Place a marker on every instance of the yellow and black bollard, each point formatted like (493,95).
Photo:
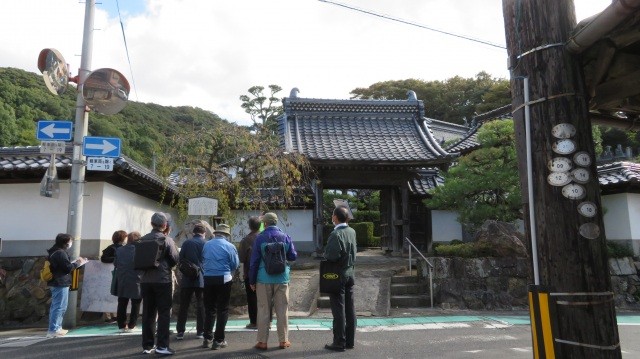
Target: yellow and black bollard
(540,311)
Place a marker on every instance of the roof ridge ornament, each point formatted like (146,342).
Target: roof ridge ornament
(411,95)
(294,92)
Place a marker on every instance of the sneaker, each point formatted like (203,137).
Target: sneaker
(207,343)
(200,335)
(149,351)
(251,326)
(180,336)
(165,351)
(261,346)
(57,334)
(123,330)
(219,344)
(285,344)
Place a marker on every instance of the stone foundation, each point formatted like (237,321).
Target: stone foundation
(502,283)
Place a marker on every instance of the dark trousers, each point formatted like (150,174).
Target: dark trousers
(216,306)
(344,315)
(252,302)
(122,312)
(157,301)
(185,300)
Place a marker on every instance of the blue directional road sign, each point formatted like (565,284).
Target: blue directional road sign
(101,147)
(54,130)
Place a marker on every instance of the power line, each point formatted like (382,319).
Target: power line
(133,80)
(413,24)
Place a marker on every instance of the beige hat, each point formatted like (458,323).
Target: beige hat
(223,228)
(270,218)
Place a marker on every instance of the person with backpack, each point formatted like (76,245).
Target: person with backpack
(156,285)
(108,256)
(342,247)
(219,261)
(192,281)
(61,267)
(269,277)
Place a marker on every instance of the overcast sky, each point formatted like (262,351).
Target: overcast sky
(206,53)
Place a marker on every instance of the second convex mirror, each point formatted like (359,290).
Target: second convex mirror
(54,70)
(106,91)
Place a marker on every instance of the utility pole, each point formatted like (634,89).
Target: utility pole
(76,189)
(570,239)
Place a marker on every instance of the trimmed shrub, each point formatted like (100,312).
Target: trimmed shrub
(464,250)
(366,216)
(618,250)
(364,233)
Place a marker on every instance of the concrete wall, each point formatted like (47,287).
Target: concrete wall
(297,223)
(29,222)
(445,226)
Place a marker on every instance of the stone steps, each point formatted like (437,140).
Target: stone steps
(407,292)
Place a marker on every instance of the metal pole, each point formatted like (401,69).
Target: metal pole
(410,271)
(76,188)
(532,214)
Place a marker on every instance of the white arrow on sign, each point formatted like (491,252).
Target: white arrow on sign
(52,130)
(106,146)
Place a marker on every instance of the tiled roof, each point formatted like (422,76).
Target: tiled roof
(427,180)
(371,132)
(447,131)
(619,176)
(469,141)
(27,163)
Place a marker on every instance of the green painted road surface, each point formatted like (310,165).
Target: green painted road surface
(364,324)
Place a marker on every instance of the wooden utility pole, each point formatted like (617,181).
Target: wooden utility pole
(565,232)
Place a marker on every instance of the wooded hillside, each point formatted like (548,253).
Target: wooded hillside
(145,128)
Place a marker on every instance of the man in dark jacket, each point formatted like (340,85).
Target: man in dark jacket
(192,251)
(246,245)
(156,286)
(61,267)
(341,247)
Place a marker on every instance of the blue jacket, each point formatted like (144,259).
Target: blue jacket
(192,250)
(219,257)
(257,273)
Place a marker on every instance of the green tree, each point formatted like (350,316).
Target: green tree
(484,184)
(454,100)
(264,110)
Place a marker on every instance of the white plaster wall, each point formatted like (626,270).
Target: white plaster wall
(445,226)
(621,218)
(25,215)
(128,211)
(617,217)
(297,223)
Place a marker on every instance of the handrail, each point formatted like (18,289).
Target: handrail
(429,264)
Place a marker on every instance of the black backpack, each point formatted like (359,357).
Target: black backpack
(188,268)
(275,258)
(148,254)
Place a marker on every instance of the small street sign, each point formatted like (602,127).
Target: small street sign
(52,147)
(54,130)
(101,147)
(100,163)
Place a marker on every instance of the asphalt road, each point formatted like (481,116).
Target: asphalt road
(478,340)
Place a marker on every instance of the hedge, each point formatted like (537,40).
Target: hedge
(364,234)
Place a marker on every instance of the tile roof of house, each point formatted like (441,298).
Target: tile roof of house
(618,177)
(428,179)
(27,164)
(372,132)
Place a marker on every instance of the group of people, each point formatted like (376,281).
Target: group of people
(217,260)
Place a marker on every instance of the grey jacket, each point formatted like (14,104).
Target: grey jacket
(128,279)
(163,273)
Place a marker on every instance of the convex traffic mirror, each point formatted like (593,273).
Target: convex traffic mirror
(54,70)
(106,91)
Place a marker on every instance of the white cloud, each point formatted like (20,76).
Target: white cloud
(207,53)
